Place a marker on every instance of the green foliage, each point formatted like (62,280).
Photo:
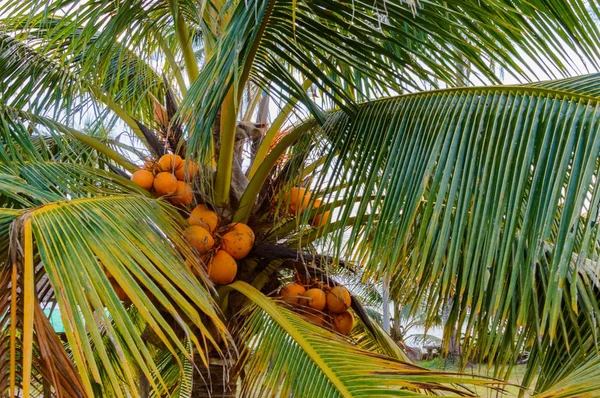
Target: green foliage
(288,346)
(483,200)
(488,194)
(272,42)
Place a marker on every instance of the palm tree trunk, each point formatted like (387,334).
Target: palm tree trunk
(218,381)
(144,386)
(386,305)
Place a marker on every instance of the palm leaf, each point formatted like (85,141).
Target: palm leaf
(469,185)
(37,183)
(579,382)
(25,136)
(68,71)
(379,341)
(284,350)
(364,52)
(71,239)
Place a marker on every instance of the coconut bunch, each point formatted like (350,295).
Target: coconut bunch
(298,201)
(321,304)
(218,244)
(169,176)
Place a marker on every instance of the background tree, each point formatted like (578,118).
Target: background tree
(485,198)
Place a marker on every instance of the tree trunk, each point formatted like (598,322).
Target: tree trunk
(396,331)
(386,304)
(218,381)
(144,386)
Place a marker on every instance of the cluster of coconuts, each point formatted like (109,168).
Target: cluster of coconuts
(169,176)
(298,201)
(322,304)
(218,245)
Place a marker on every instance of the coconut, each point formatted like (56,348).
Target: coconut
(183,195)
(204,217)
(322,218)
(222,269)
(297,200)
(315,298)
(338,299)
(165,183)
(290,293)
(187,171)
(343,322)
(239,241)
(143,178)
(170,162)
(199,238)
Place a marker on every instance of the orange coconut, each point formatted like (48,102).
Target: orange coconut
(315,298)
(338,299)
(321,218)
(199,238)
(183,195)
(165,183)
(143,178)
(343,322)
(318,318)
(290,293)
(297,200)
(222,269)
(170,162)
(239,241)
(187,171)
(204,217)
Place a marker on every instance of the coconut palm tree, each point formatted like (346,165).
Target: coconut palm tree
(483,199)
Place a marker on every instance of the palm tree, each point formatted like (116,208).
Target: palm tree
(483,199)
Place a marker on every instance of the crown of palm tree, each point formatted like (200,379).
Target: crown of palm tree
(483,200)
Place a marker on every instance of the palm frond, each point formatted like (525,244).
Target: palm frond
(47,71)
(83,241)
(375,339)
(370,48)
(583,381)
(38,183)
(27,136)
(471,185)
(585,85)
(570,355)
(281,346)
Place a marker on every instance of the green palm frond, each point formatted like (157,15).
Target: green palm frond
(27,136)
(585,85)
(178,379)
(24,71)
(7,216)
(69,149)
(377,340)
(38,183)
(568,357)
(470,185)
(70,240)
(584,381)
(281,346)
(67,65)
(352,51)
